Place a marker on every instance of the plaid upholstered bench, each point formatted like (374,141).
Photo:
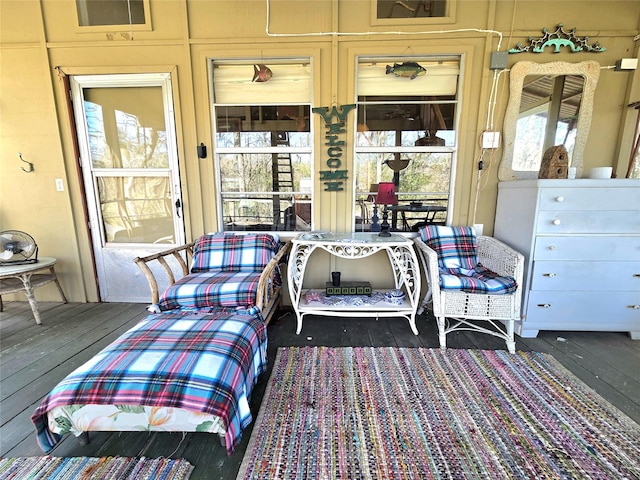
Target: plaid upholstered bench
(220,270)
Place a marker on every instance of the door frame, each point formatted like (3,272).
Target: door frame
(96,237)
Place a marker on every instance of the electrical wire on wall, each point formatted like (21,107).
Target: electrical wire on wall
(484,167)
(484,164)
(493,96)
(397,32)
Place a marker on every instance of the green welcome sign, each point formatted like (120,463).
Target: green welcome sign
(335,135)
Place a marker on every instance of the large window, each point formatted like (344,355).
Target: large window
(263,147)
(406,134)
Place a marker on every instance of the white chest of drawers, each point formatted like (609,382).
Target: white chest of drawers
(581,242)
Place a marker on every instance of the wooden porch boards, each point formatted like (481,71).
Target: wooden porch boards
(36,357)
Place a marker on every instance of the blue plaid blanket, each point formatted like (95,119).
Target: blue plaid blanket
(194,361)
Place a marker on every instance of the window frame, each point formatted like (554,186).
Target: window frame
(390,150)
(147,26)
(449,18)
(303,196)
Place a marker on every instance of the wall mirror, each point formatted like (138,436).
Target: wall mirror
(549,104)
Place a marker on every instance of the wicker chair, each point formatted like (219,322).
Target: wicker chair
(489,313)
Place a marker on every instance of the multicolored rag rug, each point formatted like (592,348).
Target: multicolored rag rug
(92,468)
(415,413)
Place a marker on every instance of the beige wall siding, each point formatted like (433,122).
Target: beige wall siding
(36,36)
(30,201)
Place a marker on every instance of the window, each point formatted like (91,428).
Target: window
(263,147)
(413,12)
(111,12)
(406,134)
(411,8)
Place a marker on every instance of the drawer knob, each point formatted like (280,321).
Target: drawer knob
(550,275)
(559,199)
(544,305)
(556,221)
(552,247)
(634,307)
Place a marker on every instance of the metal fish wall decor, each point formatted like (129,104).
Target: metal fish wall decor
(406,69)
(261,73)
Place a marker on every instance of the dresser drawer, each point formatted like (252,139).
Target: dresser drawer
(589,198)
(584,221)
(589,310)
(600,276)
(592,247)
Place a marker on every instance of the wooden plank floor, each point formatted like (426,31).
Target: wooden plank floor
(34,358)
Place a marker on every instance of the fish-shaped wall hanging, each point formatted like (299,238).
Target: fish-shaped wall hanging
(406,69)
(261,73)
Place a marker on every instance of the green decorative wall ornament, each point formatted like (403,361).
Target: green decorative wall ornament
(557,40)
(335,177)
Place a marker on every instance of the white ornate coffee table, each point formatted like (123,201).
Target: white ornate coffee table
(402,257)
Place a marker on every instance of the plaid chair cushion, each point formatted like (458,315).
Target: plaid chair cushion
(230,252)
(480,280)
(212,289)
(457,247)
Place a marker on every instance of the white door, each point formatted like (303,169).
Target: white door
(127,140)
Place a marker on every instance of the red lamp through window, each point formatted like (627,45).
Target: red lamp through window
(386,196)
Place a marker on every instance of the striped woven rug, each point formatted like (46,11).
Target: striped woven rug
(414,413)
(93,468)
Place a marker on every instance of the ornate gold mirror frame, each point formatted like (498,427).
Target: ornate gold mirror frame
(590,70)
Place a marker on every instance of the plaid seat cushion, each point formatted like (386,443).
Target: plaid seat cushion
(480,280)
(457,247)
(212,289)
(231,252)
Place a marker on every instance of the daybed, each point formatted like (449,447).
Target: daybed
(192,366)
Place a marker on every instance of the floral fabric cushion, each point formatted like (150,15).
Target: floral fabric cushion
(229,252)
